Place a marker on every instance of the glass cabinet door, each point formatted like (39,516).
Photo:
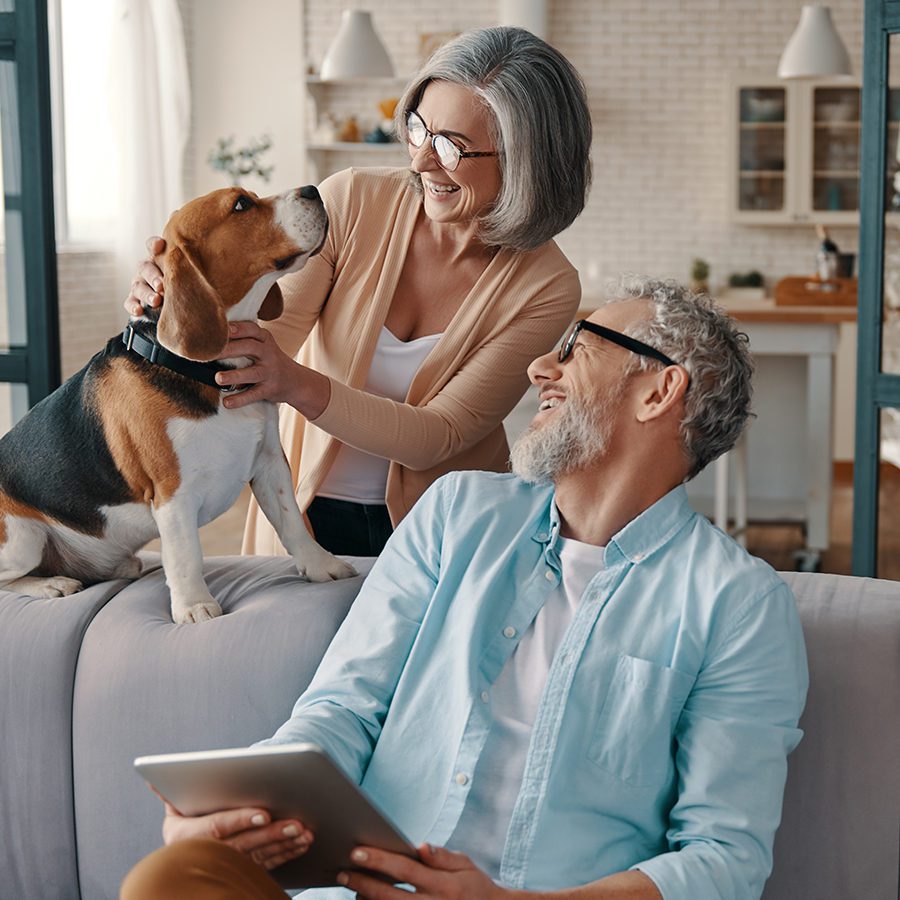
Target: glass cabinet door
(762,149)
(835,149)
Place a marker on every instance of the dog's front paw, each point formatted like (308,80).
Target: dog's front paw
(184,613)
(318,564)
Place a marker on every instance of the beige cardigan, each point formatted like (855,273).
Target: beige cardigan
(452,418)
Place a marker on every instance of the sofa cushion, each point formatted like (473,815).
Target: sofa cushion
(838,836)
(145,685)
(39,644)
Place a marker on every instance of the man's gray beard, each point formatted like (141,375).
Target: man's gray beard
(578,435)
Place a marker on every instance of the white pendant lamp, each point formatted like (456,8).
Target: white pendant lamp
(528,14)
(815,49)
(356,51)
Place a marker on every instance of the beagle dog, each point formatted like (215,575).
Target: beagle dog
(138,444)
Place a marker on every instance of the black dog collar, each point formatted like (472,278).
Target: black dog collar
(205,373)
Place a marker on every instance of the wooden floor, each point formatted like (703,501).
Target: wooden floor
(777,544)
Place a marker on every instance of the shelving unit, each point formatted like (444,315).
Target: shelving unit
(357,97)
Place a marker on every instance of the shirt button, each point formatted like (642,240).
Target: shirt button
(462,778)
(549,576)
(638,557)
(509,631)
(543,536)
(485,696)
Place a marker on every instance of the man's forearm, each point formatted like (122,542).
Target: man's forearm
(631,885)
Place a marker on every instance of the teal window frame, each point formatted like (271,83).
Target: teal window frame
(24,40)
(875,390)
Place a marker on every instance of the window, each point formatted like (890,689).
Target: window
(85,140)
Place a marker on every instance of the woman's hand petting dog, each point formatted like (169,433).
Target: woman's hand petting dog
(272,374)
(147,288)
(251,831)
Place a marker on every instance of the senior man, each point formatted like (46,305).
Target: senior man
(563,682)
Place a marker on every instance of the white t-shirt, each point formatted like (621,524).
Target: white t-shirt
(358,476)
(515,697)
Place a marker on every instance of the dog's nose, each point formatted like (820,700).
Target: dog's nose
(309,192)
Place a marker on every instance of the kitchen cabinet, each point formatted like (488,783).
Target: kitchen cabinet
(329,105)
(794,152)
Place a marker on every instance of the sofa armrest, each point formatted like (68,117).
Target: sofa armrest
(838,835)
(39,645)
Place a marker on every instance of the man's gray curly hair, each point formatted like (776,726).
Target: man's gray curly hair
(705,340)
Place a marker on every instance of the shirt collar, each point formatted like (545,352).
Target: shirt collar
(546,529)
(642,536)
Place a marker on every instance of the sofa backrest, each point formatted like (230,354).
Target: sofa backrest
(839,833)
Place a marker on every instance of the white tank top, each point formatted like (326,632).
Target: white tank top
(358,476)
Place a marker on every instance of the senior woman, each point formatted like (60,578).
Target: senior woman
(435,289)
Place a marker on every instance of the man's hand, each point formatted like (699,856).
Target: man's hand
(251,831)
(438,873)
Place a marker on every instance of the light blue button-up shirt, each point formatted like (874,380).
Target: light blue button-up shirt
(672,702)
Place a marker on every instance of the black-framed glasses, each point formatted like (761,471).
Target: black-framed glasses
(616,337)
(448,153)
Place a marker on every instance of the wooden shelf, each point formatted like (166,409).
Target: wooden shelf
(762,173)
(381,81)
(355,147)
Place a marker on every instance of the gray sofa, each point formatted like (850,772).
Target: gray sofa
(91,681)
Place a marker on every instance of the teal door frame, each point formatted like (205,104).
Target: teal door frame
(875,390)
(24,41)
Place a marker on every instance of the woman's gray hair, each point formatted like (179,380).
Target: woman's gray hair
(705,340)
(541,128)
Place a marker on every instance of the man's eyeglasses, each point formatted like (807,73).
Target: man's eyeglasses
(616,337)
(448,153)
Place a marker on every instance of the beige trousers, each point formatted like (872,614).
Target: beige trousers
(199,870)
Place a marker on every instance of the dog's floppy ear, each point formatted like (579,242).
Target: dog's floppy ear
(273,306)
(192,322)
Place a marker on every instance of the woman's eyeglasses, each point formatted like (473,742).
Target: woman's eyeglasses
(447,152)
(616,337)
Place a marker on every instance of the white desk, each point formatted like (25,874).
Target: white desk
(811,334)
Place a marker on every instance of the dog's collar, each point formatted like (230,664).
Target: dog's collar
(205,373)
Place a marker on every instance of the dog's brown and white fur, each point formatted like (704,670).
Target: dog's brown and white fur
(126,450)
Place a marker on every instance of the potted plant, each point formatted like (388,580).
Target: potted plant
(240,161)
(745,287)
(700,276)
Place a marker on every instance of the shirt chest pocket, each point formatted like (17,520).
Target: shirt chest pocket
(633,736)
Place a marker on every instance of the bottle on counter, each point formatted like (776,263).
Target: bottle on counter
(826,257)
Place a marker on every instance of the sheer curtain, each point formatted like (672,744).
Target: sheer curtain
(151,106)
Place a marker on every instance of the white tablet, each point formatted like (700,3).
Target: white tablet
(292,781)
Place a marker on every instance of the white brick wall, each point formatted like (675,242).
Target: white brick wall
(655,71)
(90,310)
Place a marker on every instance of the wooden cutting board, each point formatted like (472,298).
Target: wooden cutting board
(808,290)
